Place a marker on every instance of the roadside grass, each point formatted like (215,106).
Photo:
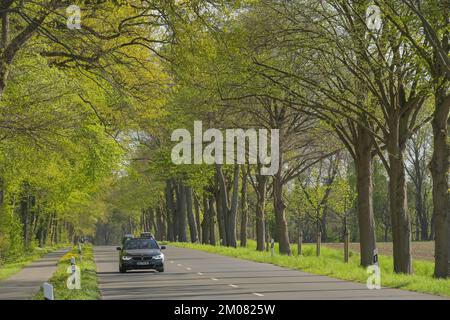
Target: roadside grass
(10,268)
(331,263)
(89,280)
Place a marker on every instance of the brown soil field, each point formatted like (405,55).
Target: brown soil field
(420,250)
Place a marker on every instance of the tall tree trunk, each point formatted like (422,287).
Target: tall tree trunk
(25,209)
(418,177)
(157,223)
(432,232)
(5,28)
(280,218)
(212,219)
(229,210)
(171,214)
(421,216)
(364,187)
(219,212)
(323,225)
(41,232)
(177,215)
(142,219)
(206,220)
(162,215)
(48,228)
(244,209)
(220,219)
(261,186)
(55,230)
(197,218)
(440,171)
(151,219)
(170,235)
(232,212)
(363,144)
(159,233)
(190,214)
(182,214)
(401,224)
(222,205)
(34,219)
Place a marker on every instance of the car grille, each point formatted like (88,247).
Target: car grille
(140,258)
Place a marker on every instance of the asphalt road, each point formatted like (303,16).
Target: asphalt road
(27,282)
(192,274)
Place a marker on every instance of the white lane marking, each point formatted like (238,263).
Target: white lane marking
(214,279)
(171,261)
(199,273)
(233,286)
(258,294)
(188,268)
(179,265)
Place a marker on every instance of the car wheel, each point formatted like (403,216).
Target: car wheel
(122,270)
(160,269)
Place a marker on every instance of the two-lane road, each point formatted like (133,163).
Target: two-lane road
(192,274)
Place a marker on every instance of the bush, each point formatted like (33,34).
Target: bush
(88,271)
(11,242)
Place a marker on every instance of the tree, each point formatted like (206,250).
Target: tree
(103,35)
(418,158)
(229,205)
(244,208)
(316,87)
(424,26)
(317,190)
(190,214)
(259,184)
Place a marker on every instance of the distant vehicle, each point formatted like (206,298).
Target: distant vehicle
(127,237)
(147,235)
(141,253)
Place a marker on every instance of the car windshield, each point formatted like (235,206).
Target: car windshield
(133,244)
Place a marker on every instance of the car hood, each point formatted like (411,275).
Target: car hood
(142,252)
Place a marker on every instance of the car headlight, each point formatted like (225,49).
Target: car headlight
(126,258)
(159,257)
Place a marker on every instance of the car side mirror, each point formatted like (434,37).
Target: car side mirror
(163,247)
(118,248)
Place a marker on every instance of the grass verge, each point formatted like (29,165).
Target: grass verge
(10,268)
(331,263)
(89,280)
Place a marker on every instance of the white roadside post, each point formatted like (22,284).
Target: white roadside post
(374,279)
(48,291)
(72,263)
(74,280)
(80,252)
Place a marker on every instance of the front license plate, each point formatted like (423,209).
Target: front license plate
(143,263)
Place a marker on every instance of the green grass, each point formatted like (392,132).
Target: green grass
(331,263)
(89,280)
(10,268)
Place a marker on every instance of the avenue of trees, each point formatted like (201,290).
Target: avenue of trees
(359,90)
